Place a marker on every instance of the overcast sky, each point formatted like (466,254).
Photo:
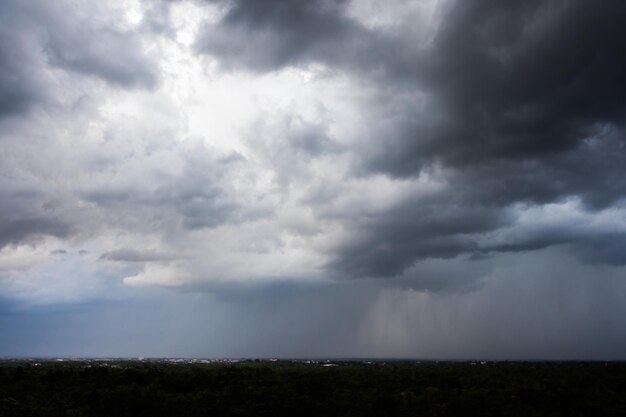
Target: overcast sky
(291,178)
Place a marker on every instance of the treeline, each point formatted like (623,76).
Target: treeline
(128,388)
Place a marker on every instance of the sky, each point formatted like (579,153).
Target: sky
(435,179)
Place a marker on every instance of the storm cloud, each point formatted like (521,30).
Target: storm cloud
(288,158)
(507,104)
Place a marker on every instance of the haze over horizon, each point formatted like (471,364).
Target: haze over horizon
(326,178)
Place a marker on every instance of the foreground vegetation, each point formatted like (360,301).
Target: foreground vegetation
(264,388)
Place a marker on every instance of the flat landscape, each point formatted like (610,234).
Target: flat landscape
(171,387)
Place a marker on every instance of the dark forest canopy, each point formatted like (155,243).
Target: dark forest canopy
(266,388)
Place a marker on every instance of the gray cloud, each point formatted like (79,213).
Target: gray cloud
(137,255)
(515,103)
(268,35)
(33,36)
(393,241)
(18,231)
(62,34)
(478,169)
(290,144)
(25,217)
(502,106)
(40,44)
(21,84)
(510,83)
(115,56)
(196,197)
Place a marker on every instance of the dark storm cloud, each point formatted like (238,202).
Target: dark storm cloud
(479,171)
(525,103)
(516,102)
(589,170)
(484,196)
(268,35)
(413,231)
(521,80)
(265,36)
